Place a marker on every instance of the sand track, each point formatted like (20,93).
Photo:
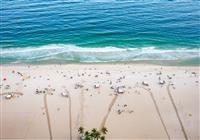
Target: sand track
(157,110)
(48,117)
(176,110)
(70,117)
(108,112)
(82,108)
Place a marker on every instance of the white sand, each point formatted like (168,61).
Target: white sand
(24,117)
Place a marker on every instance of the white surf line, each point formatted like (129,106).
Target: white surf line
(48,117)
(108,112)
(157,109)
(176,110)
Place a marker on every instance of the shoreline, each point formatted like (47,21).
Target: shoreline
(106,63)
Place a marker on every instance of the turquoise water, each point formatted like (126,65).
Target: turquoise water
(62,31)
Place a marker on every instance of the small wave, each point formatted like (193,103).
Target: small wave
(73,53)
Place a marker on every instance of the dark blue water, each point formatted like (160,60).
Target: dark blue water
(59,31)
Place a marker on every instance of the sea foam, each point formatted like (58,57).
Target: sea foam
(73,53)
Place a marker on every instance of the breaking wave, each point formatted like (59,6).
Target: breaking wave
(72,53)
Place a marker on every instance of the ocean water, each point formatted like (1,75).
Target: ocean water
(65,31)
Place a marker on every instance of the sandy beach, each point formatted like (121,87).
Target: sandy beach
(134,101)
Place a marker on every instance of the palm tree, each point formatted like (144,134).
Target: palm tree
(97,135)
(102,138)
(87,133)
(87,138)
(104,130)
(94,130)
(81,130)
(94,134)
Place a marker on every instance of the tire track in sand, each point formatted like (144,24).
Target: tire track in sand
(48,117)
(108,112)
(176,110)
(82,100)
(157,110)
(70,116)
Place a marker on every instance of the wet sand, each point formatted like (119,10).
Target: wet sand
(53,101)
